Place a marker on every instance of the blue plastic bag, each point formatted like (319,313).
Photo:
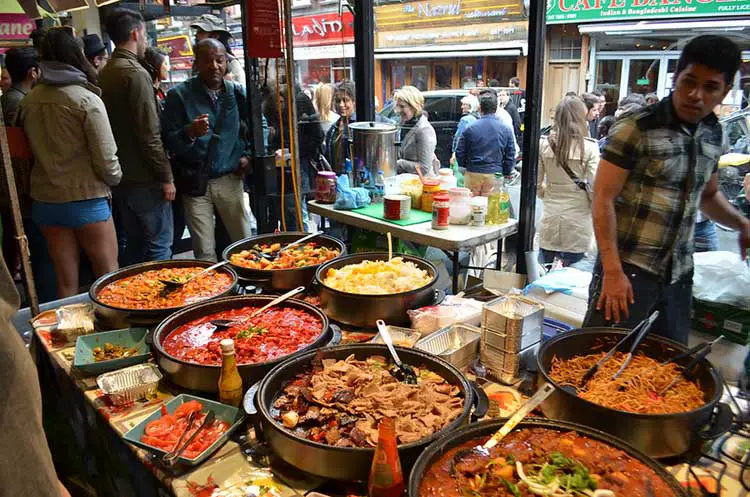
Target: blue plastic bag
(348,198)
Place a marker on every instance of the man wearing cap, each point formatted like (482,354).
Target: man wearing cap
(210,26)
(95,51)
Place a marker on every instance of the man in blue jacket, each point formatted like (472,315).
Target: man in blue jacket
(486,147)
(203,127)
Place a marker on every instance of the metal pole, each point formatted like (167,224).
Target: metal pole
(253,95)
(364,59)
(532,123)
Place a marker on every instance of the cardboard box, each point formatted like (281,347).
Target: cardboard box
(722,319)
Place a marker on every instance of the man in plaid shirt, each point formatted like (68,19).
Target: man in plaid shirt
(658,168)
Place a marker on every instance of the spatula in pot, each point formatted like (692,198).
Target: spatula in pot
(402,372)
(172,285)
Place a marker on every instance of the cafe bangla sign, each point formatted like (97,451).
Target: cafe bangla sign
(565,11)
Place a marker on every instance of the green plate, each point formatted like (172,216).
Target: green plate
(85,344)
(224,412)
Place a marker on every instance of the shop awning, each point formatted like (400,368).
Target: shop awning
(506,48)
(447,55)
(648,27)
(324,52)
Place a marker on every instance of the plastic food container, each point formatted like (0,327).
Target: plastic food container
(403,337)
(447,179)
(460,205)
(325,187)
(413,188)
(130,384)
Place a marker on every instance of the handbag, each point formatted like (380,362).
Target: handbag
(583,185)
(191,176)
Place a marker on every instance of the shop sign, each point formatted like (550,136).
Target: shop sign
(15,26)
(425,13)
(323,29)
(459,35)
(565,11)
(179,50)
(263,29)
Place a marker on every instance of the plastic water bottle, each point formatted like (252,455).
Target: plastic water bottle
(349,171)
(379,186)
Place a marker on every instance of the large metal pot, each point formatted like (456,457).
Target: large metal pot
(658,435)
(487,428)
(374,151)
(206,378)
(346,463)
(280,279)
(364,310)
(116,317)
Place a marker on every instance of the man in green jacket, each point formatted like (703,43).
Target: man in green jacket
(143,198)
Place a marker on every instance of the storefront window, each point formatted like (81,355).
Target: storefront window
(419,77)
(643,76)
(608,82)
(443,76)
(468,76)
(398,76)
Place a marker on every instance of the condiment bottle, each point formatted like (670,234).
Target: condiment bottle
(498,202)
(386,478)
(441,211)
(430,187)
(230,381)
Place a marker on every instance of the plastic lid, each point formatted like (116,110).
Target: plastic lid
(431,182)
(460,192)
(227,346)
(441,197)
(445,172)
(327,174)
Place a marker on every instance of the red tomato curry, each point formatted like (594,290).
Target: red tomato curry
(277,332)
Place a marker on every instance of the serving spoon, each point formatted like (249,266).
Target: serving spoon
(172,285)
(228,323)
(402,372)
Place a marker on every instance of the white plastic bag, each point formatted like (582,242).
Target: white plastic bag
(721,277)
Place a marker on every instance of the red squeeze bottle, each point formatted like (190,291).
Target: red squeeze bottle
(386,478)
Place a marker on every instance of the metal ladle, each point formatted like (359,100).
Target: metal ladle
(227,323)
(172,285)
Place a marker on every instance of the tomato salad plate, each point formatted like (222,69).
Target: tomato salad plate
(160,431)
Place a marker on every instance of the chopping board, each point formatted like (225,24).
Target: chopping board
(376,211)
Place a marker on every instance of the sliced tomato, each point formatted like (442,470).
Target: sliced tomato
(185,409)
(157,442)
(159,427)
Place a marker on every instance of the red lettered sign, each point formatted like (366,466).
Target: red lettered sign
(263,29)
(323,29)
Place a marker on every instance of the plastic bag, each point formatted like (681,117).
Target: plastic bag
(348,198)
(452,310)
(721,277)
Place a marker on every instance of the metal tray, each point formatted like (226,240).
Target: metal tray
(458,344)
(512,323)
(130,384)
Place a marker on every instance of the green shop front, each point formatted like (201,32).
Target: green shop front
(634,44)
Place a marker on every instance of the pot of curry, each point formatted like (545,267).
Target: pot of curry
(135,295)
(539,457)
(319,411)
(261,258)
(186,344)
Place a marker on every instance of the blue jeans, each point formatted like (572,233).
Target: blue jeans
(651,293)
(146,220)
(705,238)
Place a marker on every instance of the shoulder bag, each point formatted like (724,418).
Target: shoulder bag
(583,185)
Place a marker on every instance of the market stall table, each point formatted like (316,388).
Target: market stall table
(452,241)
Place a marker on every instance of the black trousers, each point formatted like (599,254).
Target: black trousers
(651,293)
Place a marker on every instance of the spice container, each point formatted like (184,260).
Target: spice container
(430,187)
(413,188)
(396,207)
(478,211)
(460,205)
(441,210)
(325,187)
(447,179)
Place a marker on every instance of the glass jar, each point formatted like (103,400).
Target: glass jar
(325,187)
(460,205)
(441,211)
(430,187)
(478,211)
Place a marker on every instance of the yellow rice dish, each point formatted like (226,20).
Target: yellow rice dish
(377,277)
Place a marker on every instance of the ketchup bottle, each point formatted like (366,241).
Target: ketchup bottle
(386,478)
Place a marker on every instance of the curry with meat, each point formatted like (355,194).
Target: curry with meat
(146,291)
(108,352)
(340,403)
(541,461)
(270,257)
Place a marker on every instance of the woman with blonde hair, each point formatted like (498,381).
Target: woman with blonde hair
(469,109)
(567,165)
(418,139)
(324,105)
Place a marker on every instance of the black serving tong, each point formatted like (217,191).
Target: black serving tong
(700,351)
(645,327)
(639,332)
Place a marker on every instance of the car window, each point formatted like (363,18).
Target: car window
(389,112)
(442,108)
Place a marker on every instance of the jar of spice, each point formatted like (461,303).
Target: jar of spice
(460,205)
(478,211)
(430,187)
(325,187)
(441,210)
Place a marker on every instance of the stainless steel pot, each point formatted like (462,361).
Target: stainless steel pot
(346,463)
(374,147)
(206,378)
(116,317)
(486,428)
(364,310)
(280,279)
(658,435)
